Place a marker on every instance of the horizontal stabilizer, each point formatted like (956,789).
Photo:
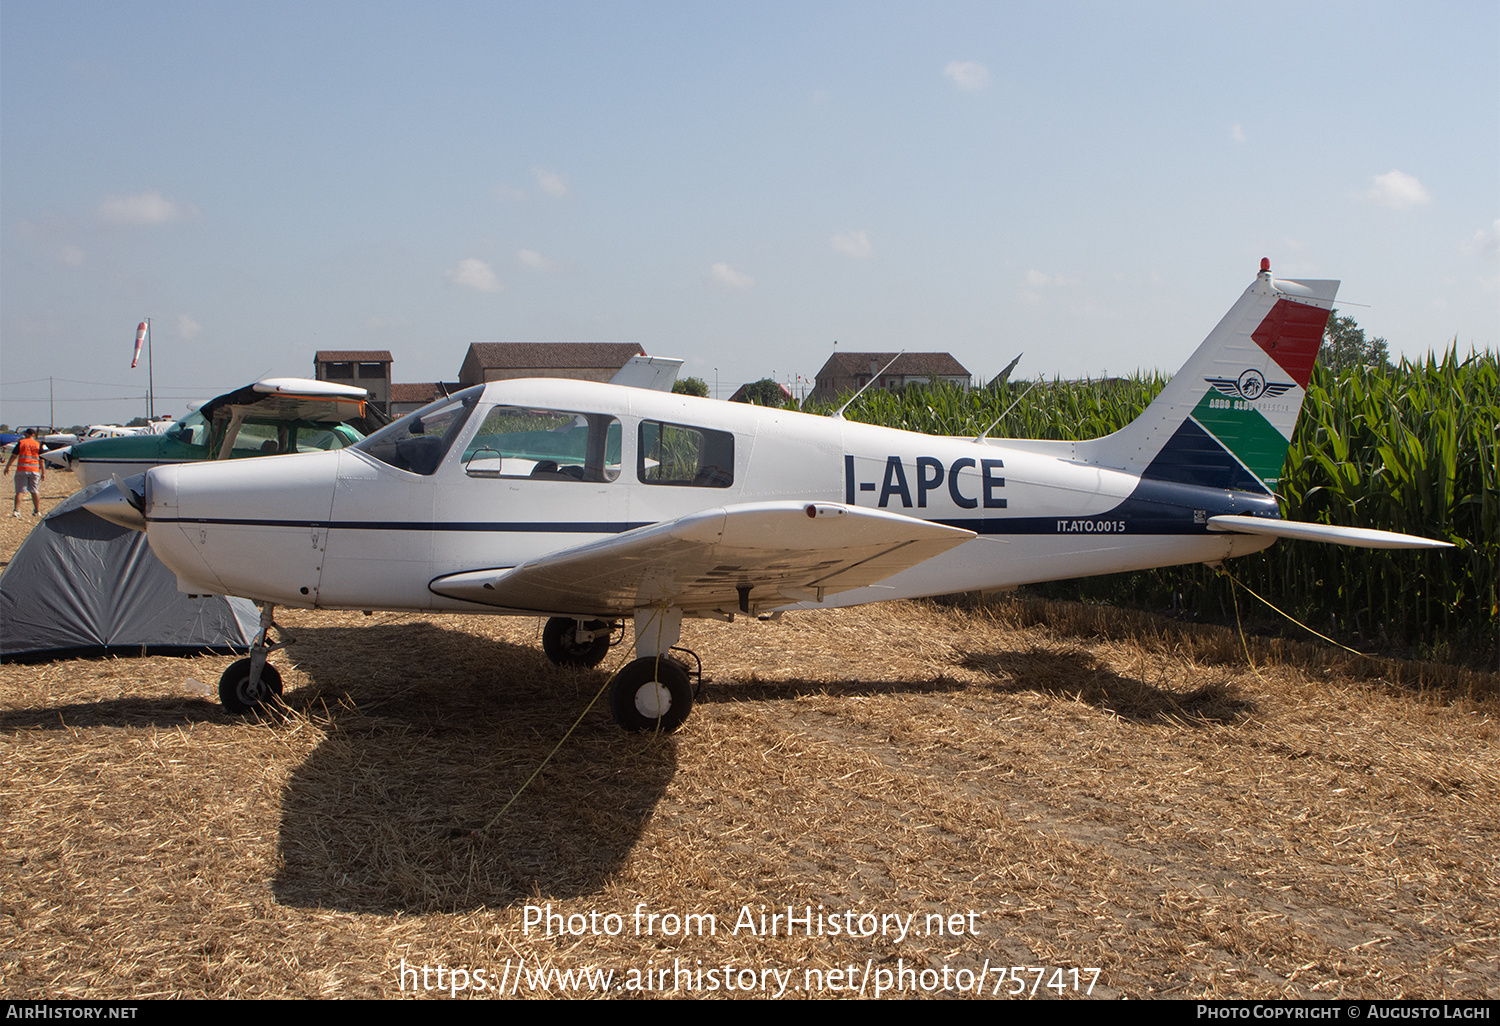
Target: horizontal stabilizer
(753,556)
(654,372)
(1360,537)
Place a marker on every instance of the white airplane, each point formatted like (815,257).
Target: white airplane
(593,504)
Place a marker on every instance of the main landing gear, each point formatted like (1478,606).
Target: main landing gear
(252,684)
(652,692)
(570,642)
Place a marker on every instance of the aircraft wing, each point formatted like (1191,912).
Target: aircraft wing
(753,556)
(292,399)
(1360,537)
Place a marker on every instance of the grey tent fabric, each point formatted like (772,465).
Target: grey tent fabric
(80,585)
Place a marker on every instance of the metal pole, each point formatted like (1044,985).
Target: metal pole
(150,377)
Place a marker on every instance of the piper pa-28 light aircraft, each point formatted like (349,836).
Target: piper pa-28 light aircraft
(592,504)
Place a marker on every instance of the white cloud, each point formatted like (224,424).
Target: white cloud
(967,75)
(474,274)
(1035,281)
(531,258)
(1486,240)
(1237,132)
(723,274)
(1396,190)
(550,182)
(855,244)
(187,327)
(142,208)
(71,255)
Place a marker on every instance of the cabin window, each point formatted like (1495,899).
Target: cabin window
(675,454)
(545,445)
(276,437)
(261,438)
(418,441)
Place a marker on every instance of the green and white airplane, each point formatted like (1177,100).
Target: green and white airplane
(270,417)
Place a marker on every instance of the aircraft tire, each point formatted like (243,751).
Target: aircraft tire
(235,693)
(558,643)
(652,694)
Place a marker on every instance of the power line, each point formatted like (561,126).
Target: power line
(79,399)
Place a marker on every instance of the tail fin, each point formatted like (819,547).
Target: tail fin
(1226,419)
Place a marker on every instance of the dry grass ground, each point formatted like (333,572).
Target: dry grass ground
(1099,789)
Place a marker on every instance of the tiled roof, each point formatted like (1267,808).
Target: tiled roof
(844,365)
(353,356)
(554,354)
(422,391)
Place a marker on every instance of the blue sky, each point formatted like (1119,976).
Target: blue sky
(736,185)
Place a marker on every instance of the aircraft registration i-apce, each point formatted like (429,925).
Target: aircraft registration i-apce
(592,504)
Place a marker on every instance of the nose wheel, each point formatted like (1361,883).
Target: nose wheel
(242,691)
(252,684)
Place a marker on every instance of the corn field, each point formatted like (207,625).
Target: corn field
(1410,449)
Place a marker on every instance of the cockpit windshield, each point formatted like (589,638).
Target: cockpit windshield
(419,441)
(191,430)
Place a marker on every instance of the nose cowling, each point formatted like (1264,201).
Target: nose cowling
(253,528)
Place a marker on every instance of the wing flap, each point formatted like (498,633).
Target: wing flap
(705,560)
(1360,537)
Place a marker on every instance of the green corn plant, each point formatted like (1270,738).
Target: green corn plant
(1412,448)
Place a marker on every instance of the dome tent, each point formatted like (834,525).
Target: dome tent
(79,585)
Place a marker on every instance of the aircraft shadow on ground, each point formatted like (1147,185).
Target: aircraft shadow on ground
(115,712)
(756,690)
(1077,674)
(430,733)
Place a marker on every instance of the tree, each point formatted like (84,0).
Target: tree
(691,386)
(1345,346)
(762,393)
(765,392)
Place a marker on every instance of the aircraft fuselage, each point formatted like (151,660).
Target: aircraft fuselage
(543,465)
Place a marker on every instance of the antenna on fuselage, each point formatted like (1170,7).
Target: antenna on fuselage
(985,433)
(838,414)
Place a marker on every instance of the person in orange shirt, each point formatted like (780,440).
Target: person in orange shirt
(30,474)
